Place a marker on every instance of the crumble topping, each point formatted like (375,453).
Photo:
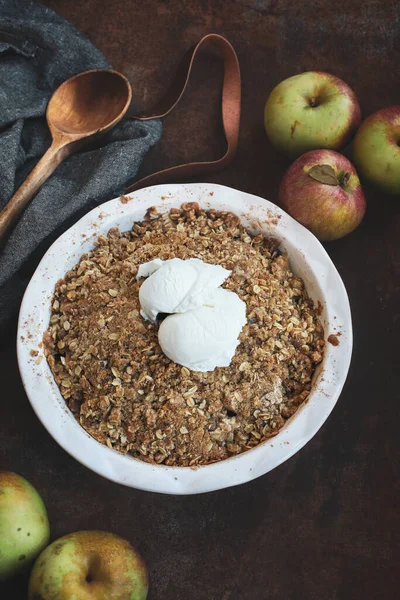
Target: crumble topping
(127,394)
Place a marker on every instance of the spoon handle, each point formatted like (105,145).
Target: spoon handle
(23,196)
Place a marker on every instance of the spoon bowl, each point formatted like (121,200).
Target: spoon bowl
(82,108)
(89,102)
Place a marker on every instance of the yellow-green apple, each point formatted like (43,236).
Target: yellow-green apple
(322,191)
(24,526)
(376,149)
(89,565)
(309,111)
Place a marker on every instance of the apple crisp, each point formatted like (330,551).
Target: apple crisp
(111,371)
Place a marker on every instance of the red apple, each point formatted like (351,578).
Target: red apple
(376,149)
(322,191)
(311,110)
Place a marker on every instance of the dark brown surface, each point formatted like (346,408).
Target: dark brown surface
(325,524)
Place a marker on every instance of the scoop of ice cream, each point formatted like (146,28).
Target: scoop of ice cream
(176,286)
(204,322)
(206,337)
(147,269)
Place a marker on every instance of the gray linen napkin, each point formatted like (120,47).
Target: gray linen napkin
(38,51)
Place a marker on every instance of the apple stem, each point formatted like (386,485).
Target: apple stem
(313,102)
(346,178)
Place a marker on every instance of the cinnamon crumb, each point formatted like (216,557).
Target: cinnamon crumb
(332,339)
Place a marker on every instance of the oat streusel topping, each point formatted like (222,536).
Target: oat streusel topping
(113,376)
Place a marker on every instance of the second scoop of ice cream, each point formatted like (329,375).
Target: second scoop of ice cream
(206,337)
(204,322)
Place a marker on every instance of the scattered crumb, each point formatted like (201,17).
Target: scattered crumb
(151,213)
(125,199)
(34,352)
(332,339)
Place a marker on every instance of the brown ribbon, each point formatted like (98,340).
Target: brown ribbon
(231,97)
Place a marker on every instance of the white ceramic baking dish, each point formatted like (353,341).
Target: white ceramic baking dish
(308,259)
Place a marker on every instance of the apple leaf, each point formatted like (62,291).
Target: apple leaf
(323,174)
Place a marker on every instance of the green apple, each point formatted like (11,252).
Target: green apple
(89,565)
(309,111)
(24,527)
(376,149)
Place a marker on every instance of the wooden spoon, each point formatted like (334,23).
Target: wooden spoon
(82,108)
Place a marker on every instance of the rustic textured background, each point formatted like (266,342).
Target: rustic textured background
(325,524)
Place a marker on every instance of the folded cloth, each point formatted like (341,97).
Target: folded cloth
(38,51)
